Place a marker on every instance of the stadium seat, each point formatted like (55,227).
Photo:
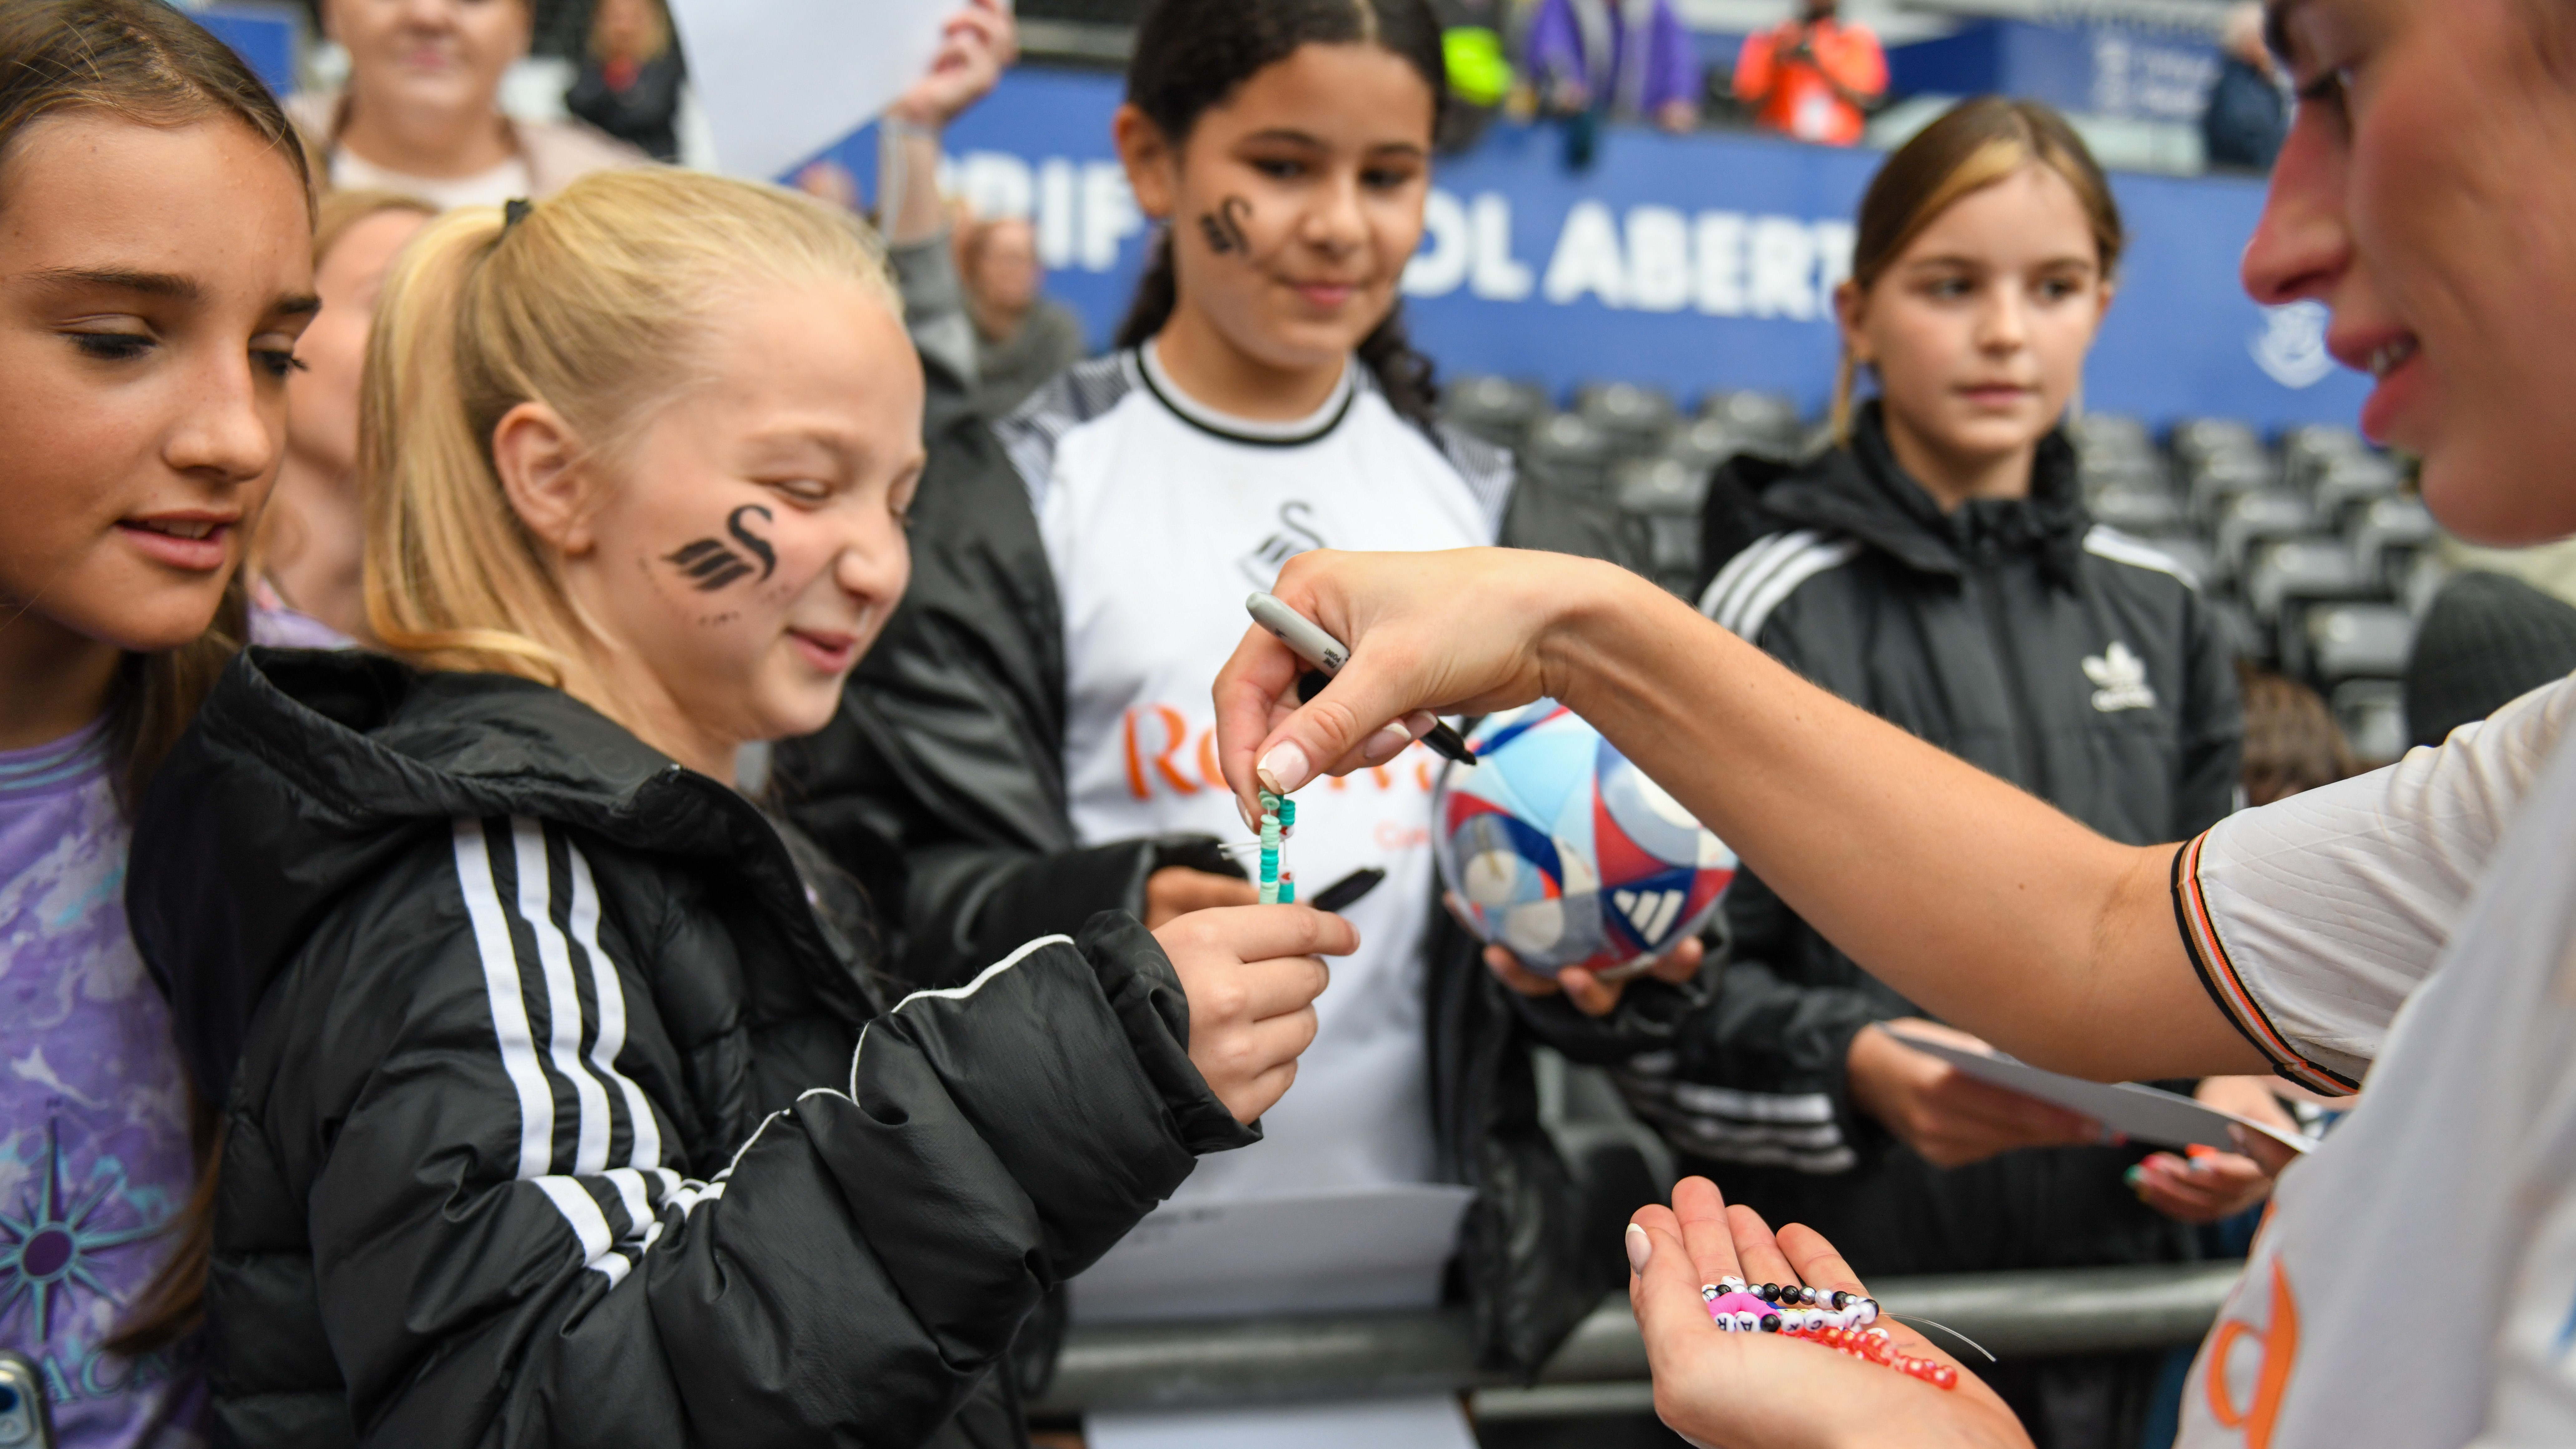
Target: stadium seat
(2213,482)
(1703,443)
(2309,450)
(1764,415)
(2339,484)
(2133,507)
(1496,409)
(2111,435)
(2294,571)
(2387,536)
(2197,442)
(1571,450)
(2373,715)
(2254,518)
(2356,641)
(1637,417)
(1661,498)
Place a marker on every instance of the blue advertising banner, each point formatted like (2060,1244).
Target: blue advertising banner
(264,35)
(2103,70)
(1688,263)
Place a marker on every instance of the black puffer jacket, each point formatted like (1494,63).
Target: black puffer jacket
(950,743)
(2068,659)
(559,1108)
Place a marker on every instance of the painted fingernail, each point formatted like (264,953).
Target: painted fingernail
(1251,821)
(2135,1176)
(1284,768)
(1386,744)
(1639,1249)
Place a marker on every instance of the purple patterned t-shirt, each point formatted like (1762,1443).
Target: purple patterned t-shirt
(94,1157)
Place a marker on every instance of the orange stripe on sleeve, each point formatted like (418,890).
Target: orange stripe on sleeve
(2220,978)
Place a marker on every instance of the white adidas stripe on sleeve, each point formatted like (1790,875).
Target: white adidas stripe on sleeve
(509,1009)
(505,979)
(646,1154)
(563,999)
(1788,560)
(2104,541)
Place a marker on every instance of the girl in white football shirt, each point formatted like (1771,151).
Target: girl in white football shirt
(1034,737)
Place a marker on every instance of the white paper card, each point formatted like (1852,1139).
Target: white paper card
(779,80)
(2144,1114)
(1427,1423)
(1361,1248)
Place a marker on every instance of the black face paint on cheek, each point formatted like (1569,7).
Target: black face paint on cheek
(710,565)
(1223,227)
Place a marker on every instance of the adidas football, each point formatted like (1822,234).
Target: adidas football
(1561,850)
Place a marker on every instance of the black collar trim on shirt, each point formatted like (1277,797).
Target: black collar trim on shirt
(1206,420)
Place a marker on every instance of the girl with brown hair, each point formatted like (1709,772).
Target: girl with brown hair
(155,272)
(1936,567)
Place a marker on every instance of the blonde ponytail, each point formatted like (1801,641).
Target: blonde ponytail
(592,305)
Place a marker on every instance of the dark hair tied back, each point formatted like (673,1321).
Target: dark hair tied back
(1193,54)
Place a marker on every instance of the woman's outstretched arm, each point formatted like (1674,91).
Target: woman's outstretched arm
(1975,899)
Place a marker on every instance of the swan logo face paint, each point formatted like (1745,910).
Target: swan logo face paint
(711,564)
(1223,227)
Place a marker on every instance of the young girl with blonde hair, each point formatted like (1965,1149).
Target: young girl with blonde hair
(562,1106)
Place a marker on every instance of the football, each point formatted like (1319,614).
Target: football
(1561,850)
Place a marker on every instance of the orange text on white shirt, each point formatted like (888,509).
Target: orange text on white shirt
(1166,755)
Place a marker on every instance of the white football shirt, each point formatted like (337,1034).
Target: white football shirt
(1159,517)
(2415,1284)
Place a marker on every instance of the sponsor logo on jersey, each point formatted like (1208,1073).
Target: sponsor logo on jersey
(2247,1368)
(1167,754)
(2119,680)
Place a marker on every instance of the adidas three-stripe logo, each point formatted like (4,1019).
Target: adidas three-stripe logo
(1761,578)
(534,905)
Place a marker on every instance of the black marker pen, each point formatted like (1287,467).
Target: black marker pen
(1328,655)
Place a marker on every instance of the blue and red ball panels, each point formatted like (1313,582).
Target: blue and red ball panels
(1566,853)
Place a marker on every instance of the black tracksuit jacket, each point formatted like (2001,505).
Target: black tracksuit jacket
(2058,655)
(560,1108)
(941,784)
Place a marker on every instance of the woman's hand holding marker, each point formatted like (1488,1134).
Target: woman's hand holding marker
(1410,660)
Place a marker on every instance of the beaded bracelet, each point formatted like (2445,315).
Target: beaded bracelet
(1828,1317)
(1278,817)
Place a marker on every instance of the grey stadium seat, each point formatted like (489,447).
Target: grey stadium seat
(2254,518)
(2389,534)
(2211,484)
(1571,450)
(1703,443)
(2197,442)
(2358,641)
(2111,435)
(1766,415)
(1497,409)
(1661,498)
(2292,571)
(1638,416)
(2133,507)
(2308,450)
(2340,484)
